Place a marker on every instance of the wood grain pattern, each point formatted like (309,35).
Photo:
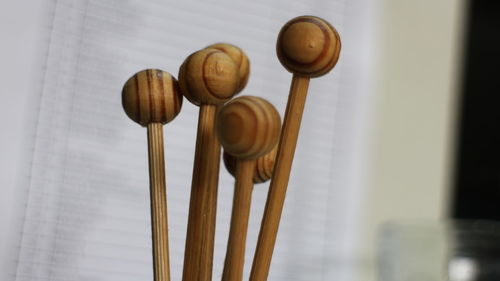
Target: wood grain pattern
(240,58)
(235,254)
(208,76)
(248,127)
(159,221)
(308,46)
(150,96)
(263,167)
(277,189)
(198,255)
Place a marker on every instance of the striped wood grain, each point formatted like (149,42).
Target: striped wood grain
(151,96)
(159,221)
(198,255)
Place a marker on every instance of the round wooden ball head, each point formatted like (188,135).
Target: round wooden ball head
(308,46)
(209,76)
(239,57)
(263,169)
(248,127)
(151,96)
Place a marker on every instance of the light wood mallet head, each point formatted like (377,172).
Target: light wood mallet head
(151,96)
(308,46)
(239,57)
(248,127)
(209,77)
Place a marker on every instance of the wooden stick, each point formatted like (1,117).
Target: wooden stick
(207,78)
(151,98)
(261,171)
(279,181)
(235,254)
(308,47)
(248,128)
(159,221)
(203,202)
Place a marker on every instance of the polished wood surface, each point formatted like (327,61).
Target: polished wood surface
(279,181)
(151,98)
(239,57)
(236,244)
(308,47)
(200,235)
(248,127)
(208,78)
(159,221)
(263,167)
(151,95)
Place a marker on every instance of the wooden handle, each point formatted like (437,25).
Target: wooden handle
(279,181)
(159,222)
(235,254)
(203,203)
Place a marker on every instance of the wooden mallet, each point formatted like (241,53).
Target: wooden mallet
(308,47)
(207,78)
(151,98)
(248,128)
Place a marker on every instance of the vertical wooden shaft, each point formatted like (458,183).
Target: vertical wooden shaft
(198,256)
(235,253)
(279,181)
(159,222)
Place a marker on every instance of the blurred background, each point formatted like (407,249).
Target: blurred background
(404,128)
